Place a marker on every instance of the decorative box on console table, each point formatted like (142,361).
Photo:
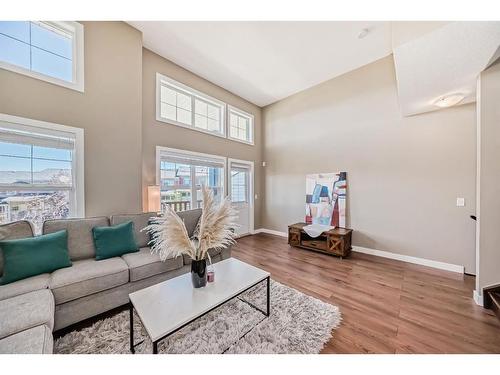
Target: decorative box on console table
(335,241)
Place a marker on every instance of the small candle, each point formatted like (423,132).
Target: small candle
(210,276)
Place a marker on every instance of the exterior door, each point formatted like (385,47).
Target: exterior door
(241,193)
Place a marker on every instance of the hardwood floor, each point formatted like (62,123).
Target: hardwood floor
(387,306)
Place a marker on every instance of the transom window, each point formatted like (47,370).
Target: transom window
(50,51)
(40,176)
(179,104)
(240,125)
(182,174)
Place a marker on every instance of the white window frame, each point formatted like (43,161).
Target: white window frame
(77,202)
(76,29)
(240,113)
(161,150)
(160,78)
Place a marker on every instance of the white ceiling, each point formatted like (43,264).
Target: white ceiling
(264,62)
(444,61)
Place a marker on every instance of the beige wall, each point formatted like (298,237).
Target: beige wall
(404,174)
(109,111)
(489,178)
(155,133)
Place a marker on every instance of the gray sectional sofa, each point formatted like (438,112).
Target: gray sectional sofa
(31,309)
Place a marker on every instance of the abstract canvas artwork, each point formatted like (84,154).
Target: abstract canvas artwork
(326,199)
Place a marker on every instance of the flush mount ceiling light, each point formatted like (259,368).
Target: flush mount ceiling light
(363,33)
(449,100)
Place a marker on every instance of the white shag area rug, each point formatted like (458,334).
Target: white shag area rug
(298,324)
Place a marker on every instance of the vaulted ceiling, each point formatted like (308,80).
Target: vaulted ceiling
(265,62)
(442,62)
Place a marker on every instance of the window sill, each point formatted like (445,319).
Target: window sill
(190,127)
(241,141)
(77,86)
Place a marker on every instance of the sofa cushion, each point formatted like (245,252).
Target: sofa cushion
(114,241)
(212,252)
(190,218)
(36,340)
(24,286)
(144,264)
(80,239)
(26,257)
(140,221)
(86,277)
(13,231)
(26,311)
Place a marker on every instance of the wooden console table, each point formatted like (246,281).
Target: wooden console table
(336,241)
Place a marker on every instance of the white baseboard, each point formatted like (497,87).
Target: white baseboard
(270,231)
(410,259)
(478,298)
(387,254)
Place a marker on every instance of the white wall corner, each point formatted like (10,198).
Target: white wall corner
(478,298)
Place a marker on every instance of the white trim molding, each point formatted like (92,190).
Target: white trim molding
(410,259)
(270,231)
(478,298)
(387,254)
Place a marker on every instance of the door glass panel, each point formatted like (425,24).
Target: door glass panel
(239,186)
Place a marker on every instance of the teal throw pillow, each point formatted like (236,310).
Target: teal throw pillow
(114,241)
(33,256)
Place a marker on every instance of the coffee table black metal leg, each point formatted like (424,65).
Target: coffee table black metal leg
(155,347)
(131,310)
(268,295)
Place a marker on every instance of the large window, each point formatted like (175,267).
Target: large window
(41,171)
(240,125)
(50,51)
(181,105)
(182,174)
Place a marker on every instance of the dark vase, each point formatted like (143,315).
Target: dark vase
(199,273)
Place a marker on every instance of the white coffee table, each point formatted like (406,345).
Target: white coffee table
(167,307)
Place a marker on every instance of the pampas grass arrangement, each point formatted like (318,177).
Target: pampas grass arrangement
(215,230)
